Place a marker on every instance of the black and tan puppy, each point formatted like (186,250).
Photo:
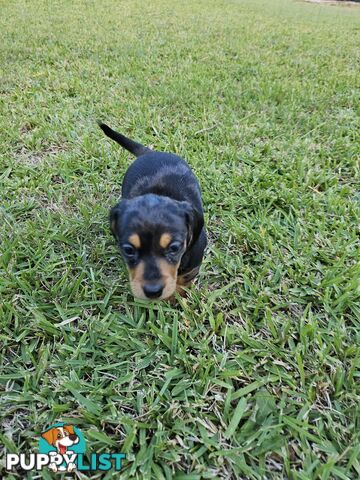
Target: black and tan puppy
(159,223)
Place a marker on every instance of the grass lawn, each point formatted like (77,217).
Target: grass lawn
(255,375)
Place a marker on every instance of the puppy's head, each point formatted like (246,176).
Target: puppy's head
(153,233)
(61,437)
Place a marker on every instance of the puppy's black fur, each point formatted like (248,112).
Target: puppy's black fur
(159,223)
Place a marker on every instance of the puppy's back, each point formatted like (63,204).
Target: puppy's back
(162,174)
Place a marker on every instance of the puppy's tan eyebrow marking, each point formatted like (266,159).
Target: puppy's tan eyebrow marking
(165,240)
(134,239)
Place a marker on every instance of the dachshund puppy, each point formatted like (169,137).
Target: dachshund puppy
(159,223)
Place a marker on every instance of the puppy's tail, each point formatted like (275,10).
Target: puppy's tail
(133,147)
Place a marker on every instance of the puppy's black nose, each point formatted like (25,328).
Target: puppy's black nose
(73,437)
(153,291)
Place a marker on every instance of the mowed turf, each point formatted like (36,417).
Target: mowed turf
(255,375)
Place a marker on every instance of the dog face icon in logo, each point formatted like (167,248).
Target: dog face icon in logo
(59,440)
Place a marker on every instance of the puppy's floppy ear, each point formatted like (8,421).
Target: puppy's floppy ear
(116,214)
(194,222)
(50,435)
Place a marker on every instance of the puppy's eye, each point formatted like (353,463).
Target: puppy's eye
(128,250)
(59,435)
(174,247)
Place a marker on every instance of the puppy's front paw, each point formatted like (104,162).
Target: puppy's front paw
(53,467)
(71,467)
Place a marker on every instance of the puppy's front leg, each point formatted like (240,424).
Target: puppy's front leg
(53,467)
(71,467)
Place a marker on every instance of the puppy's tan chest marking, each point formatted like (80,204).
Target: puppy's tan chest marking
(165,240)
(187,278)
(185,281)
(134,239)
